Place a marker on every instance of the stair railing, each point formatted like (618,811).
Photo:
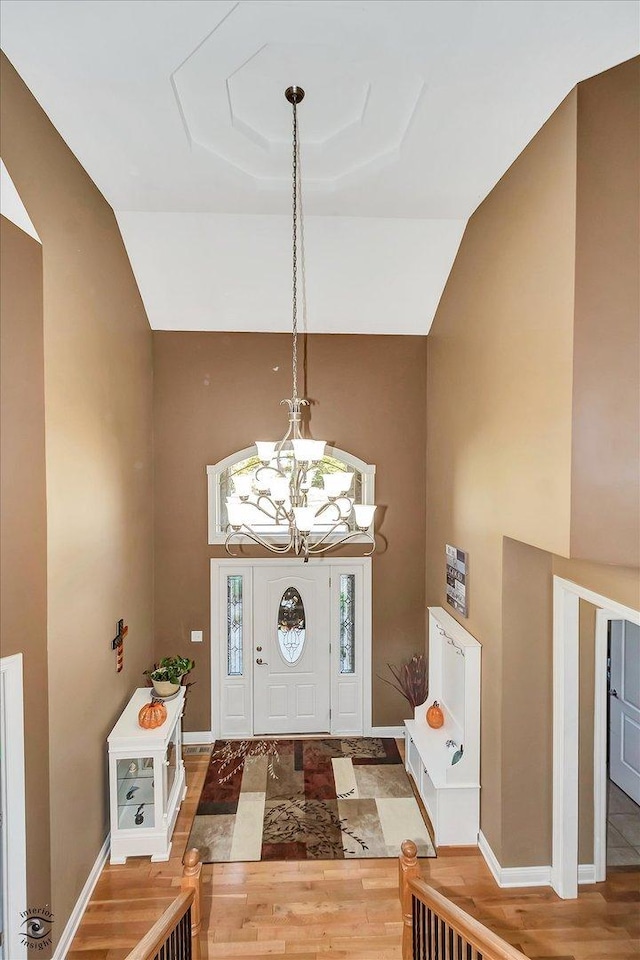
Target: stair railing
(434,928)
(176,934)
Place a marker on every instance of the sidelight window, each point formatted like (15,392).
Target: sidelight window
(234,626)
(347,623)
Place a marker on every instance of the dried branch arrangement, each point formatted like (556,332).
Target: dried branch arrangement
(410,679)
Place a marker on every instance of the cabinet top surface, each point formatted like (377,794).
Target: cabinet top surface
(127,729)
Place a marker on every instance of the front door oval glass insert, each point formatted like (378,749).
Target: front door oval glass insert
(291,625)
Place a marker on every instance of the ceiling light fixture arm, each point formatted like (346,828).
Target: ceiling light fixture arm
(361,536)
(237,534)
(300,544)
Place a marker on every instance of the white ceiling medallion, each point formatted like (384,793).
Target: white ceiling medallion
(227,91)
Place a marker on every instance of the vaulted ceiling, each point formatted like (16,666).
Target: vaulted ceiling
(414,110)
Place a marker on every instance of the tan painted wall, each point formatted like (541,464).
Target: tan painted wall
(605,503)
(499,460)
(613,582)
(215,394)
(23,521)
(499,405)
(527,719)
(98,395)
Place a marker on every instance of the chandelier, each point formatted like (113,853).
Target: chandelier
(279,491)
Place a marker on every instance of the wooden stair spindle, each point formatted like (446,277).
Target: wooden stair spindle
(434,927)
(408,870)
(192,868)
(159,940)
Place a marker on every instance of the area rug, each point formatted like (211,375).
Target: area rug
(317,799)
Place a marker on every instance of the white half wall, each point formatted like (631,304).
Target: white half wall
(204,271)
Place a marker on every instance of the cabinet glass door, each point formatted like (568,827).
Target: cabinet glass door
(136,809)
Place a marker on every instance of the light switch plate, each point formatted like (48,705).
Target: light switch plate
(196,636)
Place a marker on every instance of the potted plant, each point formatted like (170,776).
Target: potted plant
(167,675)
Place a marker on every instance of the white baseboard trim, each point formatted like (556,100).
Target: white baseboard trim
(73,922)
(513,876)
(199,736)
(587,873)
(386,732)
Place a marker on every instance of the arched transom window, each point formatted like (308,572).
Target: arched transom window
(245,462)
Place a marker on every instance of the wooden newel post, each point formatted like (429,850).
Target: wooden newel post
(192,869)
(408,869)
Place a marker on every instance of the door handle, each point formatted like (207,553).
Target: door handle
(614,693)
(263,663)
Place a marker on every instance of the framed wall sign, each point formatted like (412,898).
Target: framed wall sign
(457,567)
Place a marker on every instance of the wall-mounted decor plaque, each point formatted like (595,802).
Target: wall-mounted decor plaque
(457,579)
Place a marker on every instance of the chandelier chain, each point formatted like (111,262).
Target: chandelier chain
(279,493)
(295,251)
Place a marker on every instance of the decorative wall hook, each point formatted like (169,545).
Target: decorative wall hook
(452,643)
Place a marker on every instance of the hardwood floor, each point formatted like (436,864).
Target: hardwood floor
(347,909)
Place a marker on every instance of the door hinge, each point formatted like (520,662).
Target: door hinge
(329,581)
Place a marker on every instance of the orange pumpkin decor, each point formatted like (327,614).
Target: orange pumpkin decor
(435,716)
(152,714)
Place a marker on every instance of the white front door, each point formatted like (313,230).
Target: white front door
(291,649)
(624,706)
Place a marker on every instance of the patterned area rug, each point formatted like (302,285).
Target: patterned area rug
(328,799)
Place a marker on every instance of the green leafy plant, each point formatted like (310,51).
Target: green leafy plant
(410,679)
(170,669)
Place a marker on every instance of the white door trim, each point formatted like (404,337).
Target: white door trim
(13,803)
(600,738)
(217,565)
(566,597)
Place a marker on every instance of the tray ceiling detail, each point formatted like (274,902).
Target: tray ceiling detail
(361,97)
(414,110)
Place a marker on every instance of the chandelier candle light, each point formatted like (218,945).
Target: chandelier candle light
(279,488)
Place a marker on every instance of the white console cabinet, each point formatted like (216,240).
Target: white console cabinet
(450,792)
(146,780)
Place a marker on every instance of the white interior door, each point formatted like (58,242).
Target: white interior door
(624,706)
(291,649)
